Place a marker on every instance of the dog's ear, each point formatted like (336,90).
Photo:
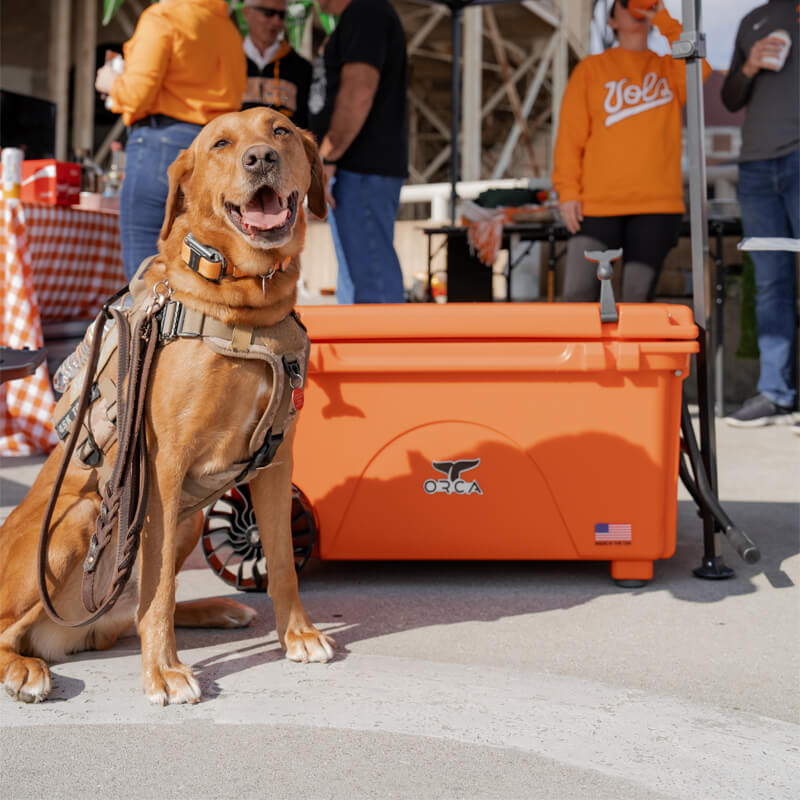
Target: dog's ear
(179,173)
(316,191)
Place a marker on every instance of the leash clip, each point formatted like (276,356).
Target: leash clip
(162,292)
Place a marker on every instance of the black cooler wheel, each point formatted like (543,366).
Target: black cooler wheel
(232,543)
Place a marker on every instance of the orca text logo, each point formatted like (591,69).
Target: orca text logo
(453,483)
(625,101)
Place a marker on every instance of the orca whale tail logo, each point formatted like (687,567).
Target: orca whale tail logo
(453,483)
(453,469)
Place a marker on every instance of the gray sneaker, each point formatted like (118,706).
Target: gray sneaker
(759,411)
(796,427)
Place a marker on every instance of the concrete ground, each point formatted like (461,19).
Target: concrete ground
(462,680)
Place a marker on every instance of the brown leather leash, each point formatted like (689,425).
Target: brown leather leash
(124,497)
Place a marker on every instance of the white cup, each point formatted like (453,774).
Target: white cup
(117,64)
(776,63)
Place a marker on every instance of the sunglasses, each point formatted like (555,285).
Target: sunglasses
(270,12)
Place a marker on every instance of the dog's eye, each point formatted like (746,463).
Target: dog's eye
(281,131)
(220,143)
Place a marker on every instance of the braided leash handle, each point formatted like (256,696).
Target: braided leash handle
(125,494)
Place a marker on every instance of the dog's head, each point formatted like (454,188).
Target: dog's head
(240,188)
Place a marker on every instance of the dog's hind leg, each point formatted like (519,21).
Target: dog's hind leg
(23,677)
(211,612)
(271,491)
(27,636)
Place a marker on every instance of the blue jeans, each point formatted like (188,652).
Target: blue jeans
(144,191)
(362,226)
(769,194)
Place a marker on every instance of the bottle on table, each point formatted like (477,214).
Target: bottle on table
(116,171)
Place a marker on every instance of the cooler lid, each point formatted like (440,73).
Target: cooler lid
(507,321)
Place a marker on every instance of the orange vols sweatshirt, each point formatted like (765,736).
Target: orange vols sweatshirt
(618,148)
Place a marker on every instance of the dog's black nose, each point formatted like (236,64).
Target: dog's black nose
(259,158)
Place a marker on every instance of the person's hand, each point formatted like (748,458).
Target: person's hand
(104,80)
(768,47)
(330,171)
(649,13)
(572,214)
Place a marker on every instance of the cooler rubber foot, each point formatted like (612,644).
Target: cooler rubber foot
(713,569)
(631,574)
(631,584)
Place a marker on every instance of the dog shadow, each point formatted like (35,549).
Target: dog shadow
(64,687)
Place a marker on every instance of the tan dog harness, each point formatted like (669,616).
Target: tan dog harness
(283,348)
(108,403)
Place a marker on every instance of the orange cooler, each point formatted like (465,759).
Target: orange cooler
(486,431)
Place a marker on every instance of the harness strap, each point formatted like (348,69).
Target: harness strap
(125,487)
(177,320)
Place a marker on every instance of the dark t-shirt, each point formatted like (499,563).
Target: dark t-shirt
(370,32)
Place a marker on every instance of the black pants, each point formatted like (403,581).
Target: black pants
(645,240)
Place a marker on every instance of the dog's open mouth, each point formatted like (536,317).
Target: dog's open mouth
(266,217)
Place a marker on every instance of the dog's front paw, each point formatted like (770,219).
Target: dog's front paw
(308,645)
(27,679)
(166,685)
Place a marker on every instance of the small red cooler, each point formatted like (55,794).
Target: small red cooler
(489,431)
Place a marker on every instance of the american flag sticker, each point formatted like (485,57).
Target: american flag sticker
(612,533)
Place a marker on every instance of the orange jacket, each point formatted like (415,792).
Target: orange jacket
(618,149)
(185,60)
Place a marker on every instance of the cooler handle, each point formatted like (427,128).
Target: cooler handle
(605,272)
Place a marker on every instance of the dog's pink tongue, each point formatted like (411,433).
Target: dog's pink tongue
(264,212)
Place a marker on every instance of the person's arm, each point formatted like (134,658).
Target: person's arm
(671,30)
(573,132)
(357,88)
(146,64)
(736,86)
(744,67)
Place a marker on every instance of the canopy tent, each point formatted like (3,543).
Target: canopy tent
(690,47)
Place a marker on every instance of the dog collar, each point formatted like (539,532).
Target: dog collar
(209,263)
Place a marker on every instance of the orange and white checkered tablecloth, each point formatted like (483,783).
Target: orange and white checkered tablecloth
(76,259)
(58,263)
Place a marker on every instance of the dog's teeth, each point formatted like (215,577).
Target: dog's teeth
(283,201)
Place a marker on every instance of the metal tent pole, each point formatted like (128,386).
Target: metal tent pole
(455,124)
(692,48)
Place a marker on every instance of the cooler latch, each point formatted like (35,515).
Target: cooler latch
(605,272)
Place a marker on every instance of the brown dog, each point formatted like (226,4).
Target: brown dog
(239,188)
